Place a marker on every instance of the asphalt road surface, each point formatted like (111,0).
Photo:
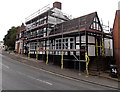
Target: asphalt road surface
(17,76)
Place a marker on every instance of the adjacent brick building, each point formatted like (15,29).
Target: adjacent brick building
(116,37)
(20,38)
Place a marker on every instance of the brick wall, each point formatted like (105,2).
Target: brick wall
(116,37)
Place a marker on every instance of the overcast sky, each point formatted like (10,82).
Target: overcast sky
(14,12)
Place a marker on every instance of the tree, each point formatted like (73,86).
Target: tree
(10,38)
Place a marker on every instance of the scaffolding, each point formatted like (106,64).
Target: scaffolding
(71,28)
(37,13)
(108,39)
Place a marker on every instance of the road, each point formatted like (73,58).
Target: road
(18,76)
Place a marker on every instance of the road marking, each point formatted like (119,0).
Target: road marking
(45,82)
(36,78)
(40,80)
(21,73)
(4,66)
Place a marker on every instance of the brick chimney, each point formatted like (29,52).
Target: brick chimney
(57,5)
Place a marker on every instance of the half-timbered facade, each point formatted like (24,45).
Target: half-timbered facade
(55,37)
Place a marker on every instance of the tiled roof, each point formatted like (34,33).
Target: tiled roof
(74,24)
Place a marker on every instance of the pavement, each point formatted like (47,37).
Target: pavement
(103,79)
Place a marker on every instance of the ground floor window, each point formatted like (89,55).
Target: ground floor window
(33,45)
(65,43)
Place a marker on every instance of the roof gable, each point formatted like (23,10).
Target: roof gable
(81,22)
(95,24)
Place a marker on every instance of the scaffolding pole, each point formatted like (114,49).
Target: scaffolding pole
(36,54)
(87,62)
(86,48)
(28,52)
(109,47)
(62,59)
(79,44)
(47,57)
(37,51)
(47,40)
(96,47)
(62,50)
(103,50)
